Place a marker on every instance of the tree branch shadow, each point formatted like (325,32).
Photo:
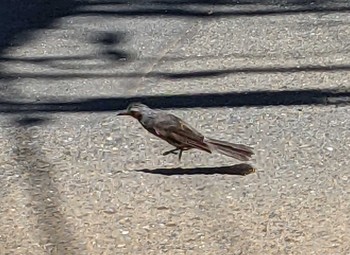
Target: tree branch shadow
(210,11)
(337,97)
(55,234)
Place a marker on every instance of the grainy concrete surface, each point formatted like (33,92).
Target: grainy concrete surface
(75,179)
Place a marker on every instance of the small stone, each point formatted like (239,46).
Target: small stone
(329,148)
(162,208)
(110,211)
(344,178)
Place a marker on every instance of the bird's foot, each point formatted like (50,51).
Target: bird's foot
(174,151)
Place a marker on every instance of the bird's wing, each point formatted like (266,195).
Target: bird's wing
(170,127)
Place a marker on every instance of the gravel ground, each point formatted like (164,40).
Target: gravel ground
(77,181)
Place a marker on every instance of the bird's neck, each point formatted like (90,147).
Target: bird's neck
(142,120)
(137,115)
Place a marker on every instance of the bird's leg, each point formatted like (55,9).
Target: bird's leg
(180,154)
(173,151)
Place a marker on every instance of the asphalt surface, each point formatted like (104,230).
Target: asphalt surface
(75,179)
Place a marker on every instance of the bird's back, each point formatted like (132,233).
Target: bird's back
(170,122)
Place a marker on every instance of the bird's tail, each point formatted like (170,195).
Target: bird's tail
(237,151)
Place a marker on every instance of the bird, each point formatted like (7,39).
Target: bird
(181,135)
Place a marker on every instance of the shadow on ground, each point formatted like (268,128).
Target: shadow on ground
(214,9)
(18,22)
(55,234)
(210,100)
(239,169)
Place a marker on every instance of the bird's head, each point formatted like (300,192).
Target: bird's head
(135,110)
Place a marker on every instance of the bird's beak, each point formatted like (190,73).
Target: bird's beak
(122,113)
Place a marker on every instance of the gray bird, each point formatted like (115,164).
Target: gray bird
(181,135)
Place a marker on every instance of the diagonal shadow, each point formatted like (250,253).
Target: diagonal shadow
(239,169)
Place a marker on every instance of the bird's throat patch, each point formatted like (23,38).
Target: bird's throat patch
(136,115)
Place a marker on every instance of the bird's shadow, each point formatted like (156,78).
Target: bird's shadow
(239,169)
